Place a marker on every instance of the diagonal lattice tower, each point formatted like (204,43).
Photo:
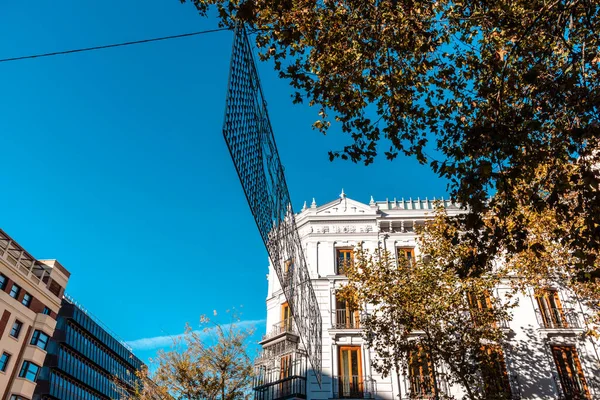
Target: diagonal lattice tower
(249,136)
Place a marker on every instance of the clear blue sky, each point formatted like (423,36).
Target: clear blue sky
(113,162)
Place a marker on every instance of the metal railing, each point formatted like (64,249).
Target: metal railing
(293,386)
(342,266)
(353,387)
(423,386)
(478,315)
(346,319)
(569,387)
(558,318)
(284,326)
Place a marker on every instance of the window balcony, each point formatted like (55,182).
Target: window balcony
(293,387)
(422,387)
(480,315)
(346,319)
(558,318)
(281,328)
(353,387)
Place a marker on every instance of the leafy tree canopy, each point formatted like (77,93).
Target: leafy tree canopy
(208,364)
(483,91)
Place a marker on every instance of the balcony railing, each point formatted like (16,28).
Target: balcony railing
(284,326)
(478,315)
(569,387)
(346,319)
(353,387)
(422,386)
(292,387)
(558,318)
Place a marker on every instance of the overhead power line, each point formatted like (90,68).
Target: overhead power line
(107,46)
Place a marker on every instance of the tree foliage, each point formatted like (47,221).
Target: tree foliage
(427,304)
(482,91)
(208,364)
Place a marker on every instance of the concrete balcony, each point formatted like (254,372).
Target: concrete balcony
(279,330)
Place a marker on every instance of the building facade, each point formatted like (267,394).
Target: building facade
(84,359)
(544,356)
(30,300)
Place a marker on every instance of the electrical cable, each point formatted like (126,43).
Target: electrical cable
(107,46)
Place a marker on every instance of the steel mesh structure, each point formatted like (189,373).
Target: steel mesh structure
(249,136)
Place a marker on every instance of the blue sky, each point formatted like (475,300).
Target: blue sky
(113,162)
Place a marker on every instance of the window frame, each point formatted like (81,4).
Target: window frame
(420,358)
(564,350)
(339,269)
(20,327)
(352,314)
(405,249)
(548,301)
(353,386)
(6,356)
(18,291)
(495,376)
(35,339)
(25,371)
(29,298)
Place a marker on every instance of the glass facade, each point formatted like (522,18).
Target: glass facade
(84,359)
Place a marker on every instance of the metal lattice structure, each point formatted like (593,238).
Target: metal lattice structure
(249,136)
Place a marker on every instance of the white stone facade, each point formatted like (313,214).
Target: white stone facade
(343,224)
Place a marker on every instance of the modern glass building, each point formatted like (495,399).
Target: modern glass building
(84,359)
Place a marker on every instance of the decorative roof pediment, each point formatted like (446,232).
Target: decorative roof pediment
(345,206)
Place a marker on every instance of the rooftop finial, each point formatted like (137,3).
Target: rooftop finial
(343,195)
(313,204)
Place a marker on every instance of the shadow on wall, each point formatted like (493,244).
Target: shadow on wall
(530,358)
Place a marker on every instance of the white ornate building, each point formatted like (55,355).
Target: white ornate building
(544,357)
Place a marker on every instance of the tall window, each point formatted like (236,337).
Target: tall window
(570,373)
(495,376)
(286,318)
(406,256)
(26,300)
(346,314)
(4,359)
(39,339)
(550,309)
(420,373)
(15,290)
(480,305)
(286,366)
(29,371)
(350,380)
(285,371)
(16,329)
(344,259)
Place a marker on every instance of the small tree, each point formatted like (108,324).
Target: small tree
(212,363)
(427,305)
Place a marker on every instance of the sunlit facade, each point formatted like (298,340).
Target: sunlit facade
(30,299)
(544,356)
